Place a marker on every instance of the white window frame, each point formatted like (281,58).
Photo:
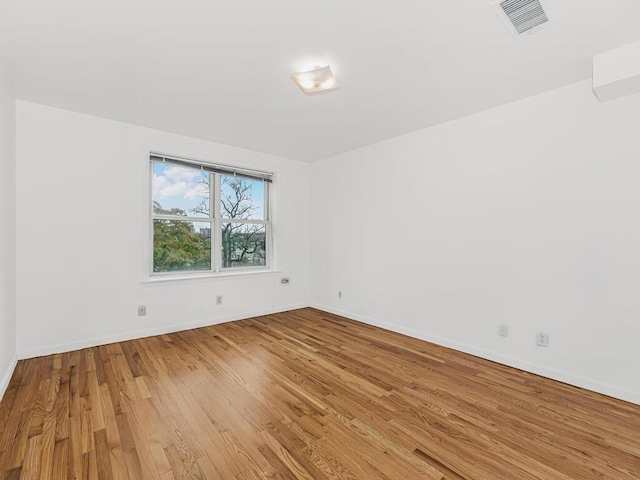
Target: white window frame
(215,220)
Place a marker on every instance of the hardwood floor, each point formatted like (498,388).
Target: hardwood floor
(303,395)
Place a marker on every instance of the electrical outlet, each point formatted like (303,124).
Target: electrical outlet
(219,300)
(503,330)
(542,339)
(340,294)
(142,310)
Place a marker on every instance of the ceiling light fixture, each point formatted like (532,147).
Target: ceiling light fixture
(320,79)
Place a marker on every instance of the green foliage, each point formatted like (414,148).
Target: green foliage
(177,245)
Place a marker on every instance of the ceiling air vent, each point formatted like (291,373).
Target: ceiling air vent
(522,17)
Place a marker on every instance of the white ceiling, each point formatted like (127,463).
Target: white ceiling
(219,70)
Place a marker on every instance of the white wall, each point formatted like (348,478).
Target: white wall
(524,215)
(528,214)
(7,237)
(82,200)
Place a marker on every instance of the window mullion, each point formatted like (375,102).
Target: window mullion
(248,221)
(212,225)
(215,208)
(268,232)
(150,227)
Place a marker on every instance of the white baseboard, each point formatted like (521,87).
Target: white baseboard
(6,378)
(133,335)
(559,375)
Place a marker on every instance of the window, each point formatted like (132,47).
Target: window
(208,218)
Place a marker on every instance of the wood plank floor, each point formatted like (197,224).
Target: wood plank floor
(303,395)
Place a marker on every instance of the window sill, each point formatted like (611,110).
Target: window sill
(169,279)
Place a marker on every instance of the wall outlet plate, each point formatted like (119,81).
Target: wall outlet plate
(503,330)
(218,299)
(142,310)
(542,339)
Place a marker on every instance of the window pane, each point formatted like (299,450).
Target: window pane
(243,245)
(241,198)
(181,245)
(181,191)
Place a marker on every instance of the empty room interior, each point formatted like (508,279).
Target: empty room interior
(308,241)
